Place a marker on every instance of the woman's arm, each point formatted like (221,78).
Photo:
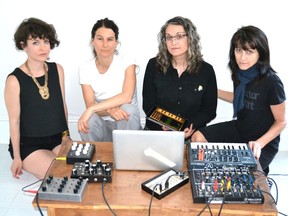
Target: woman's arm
(12,101)
(62,86)
(65,134)
(277,127)
(149,91)
(88,95)
(225,95)
(124,97)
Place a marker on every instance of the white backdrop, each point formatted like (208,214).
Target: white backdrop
(139,23)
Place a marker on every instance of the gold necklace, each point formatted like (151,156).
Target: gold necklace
(43,90)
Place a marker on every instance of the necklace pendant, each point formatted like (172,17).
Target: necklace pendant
(44,92)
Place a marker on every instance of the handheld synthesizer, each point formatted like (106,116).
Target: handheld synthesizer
(164,118)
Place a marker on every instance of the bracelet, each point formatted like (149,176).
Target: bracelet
(65,133)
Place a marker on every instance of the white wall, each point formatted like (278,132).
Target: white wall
(216,22)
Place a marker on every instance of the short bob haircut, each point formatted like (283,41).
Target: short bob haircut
(35,28)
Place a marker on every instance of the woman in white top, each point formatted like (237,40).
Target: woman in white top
(108,84)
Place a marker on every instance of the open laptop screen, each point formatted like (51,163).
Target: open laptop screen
(148,150)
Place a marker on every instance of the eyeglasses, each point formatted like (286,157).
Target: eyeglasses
(177,37)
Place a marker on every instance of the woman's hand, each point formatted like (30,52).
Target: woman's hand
(189,131)
(83,121)
(16,168)
(118,114)
(256,148)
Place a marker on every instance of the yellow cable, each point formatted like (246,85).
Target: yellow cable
(60,158)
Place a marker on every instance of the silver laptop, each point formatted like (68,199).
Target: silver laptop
(148,150)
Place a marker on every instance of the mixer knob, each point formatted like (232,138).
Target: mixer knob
(108,171)
(44,188)
(74,171)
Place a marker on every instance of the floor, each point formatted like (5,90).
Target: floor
(16,202)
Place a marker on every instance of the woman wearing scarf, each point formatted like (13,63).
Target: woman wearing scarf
(258,99)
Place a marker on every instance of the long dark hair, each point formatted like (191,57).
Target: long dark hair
(250,37)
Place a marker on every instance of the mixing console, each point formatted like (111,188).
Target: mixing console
(223,172)
(233,184)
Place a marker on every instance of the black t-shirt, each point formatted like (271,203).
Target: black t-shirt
(256,118)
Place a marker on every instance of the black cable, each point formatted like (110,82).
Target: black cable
(38,206)
(269,195)
(210,209)
(207,206)
(222,203)
(282,213)
(23,189)
(181,174)
(103,194)
(276,199)
(152,195)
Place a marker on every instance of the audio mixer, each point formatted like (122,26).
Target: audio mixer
(93,172)
(223,173)
(79,152)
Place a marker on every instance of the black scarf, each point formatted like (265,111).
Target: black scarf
(244,77)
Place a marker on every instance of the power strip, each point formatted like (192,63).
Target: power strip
(63,189)
(79,152)
(165,183)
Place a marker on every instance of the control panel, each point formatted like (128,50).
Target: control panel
(94,172)
(62,189)
(79,152)
(223,173)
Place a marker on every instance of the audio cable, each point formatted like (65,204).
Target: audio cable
(104,197)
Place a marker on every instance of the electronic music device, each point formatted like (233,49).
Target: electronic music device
(62,189)
(218,154)
(223,173)
(165,118)
(224,184)
(93,172)
(79,152)
(148,150)
(165,183)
